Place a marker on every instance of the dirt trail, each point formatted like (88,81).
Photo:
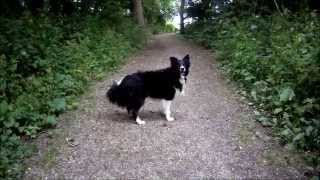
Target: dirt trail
(214,134)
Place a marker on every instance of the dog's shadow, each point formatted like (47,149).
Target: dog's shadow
(123,117)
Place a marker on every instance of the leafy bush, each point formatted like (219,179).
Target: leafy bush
(44,64)
(162,28)
(277,60)
(169,28)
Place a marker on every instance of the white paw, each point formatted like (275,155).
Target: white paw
(169,118)
(183,93)
(140,122)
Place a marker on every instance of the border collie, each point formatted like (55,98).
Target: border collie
(133,89)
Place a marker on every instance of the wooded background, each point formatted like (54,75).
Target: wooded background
(271,49)
(50,51)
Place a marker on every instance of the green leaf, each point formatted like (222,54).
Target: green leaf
(51,120)
(58,104)
(274,121)
(309,130)
(254,94)
(286,132)
(3,107)
(298,137)
(277,110)
(265,121)
(286,94)
(290,146)
(10,122)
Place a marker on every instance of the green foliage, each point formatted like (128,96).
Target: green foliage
(51,50)
(207,9)
(277,60)
(162,28)
(156,14)
(44,64)
(11,153)
(169,28)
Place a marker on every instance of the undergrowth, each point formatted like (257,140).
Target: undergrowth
(276,60)
(44,64)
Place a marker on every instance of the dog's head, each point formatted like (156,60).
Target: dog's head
(181,65)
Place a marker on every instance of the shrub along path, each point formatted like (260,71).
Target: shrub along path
(214,134)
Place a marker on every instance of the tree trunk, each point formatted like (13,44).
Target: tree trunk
(138,12)
(181,16)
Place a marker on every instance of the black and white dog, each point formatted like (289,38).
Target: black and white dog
(133,89)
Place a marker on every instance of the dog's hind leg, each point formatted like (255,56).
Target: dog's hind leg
(129,112)
(166,107)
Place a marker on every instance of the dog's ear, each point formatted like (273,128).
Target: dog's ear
(186,61)
(174,62)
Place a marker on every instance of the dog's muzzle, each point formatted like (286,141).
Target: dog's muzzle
(182,69)
(183,72)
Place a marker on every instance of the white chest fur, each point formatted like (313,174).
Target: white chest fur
(183,82)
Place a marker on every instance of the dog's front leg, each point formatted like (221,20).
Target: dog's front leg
(135,114)
(166,107)
(183,93)
(182,85)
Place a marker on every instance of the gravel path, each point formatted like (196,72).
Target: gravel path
(214,134)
